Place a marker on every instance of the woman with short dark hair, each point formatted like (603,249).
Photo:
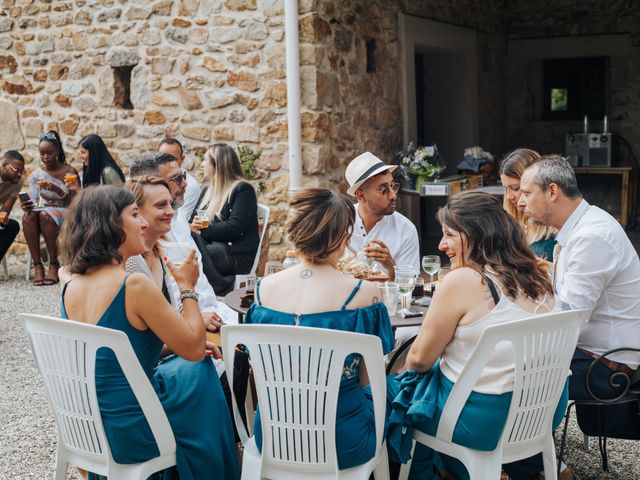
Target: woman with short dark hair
(319,227)
(103,229)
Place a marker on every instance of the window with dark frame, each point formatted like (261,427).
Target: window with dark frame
(575,87)
(122,87)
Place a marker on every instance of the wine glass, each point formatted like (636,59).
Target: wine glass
(406,280)
(431,265)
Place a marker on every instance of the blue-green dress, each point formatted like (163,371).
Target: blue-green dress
(355,422)
(190,394)
(544,248)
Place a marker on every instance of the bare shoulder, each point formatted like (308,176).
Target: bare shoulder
(461,279)
(139,283)
(367,294)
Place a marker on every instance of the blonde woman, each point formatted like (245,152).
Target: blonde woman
(540,238)
(230,242)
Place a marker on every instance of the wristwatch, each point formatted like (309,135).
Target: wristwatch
(189,294)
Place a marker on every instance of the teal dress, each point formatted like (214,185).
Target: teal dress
(544,248)
(190,394)
(355,422)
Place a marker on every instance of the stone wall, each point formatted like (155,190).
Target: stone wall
(566,18)
(203,71)
(362,110)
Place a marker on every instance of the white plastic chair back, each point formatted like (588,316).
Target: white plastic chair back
(543,347)
(65,352)
(297,372)
(263,212)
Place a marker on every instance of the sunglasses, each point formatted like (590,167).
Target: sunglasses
(179,177)
(47,136)
(385,189)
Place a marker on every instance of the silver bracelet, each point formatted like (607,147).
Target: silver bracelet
(189,294)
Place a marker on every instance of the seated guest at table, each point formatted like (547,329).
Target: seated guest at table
(102,293)
(597,268)
(11,171)
(192,193)
(153,197)
(165,166)
(494,278)
(99,167)
(384,235)
(52,198)
(230,242)
(541,238)
(319,227)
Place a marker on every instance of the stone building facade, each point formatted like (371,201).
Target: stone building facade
(211,71)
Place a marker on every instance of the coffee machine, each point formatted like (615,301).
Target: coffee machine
(589,149)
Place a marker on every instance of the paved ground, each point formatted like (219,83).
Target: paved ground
(27,431)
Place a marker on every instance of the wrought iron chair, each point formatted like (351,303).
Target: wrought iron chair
(630,395)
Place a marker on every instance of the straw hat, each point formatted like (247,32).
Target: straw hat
(362,168)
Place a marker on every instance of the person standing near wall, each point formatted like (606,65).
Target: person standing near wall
(11,171)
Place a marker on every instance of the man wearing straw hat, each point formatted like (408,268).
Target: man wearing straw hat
(386,236)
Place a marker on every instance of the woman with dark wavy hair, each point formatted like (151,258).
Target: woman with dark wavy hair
(494,278)
(103,229)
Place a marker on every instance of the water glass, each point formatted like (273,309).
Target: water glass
(176,252)
(250,283)
(431,265)
(389,295)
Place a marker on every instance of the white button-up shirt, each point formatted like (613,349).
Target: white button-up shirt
(598,269)
(191,196)
(181,233)
(396,231)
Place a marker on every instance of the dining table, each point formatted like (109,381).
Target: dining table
(234,298)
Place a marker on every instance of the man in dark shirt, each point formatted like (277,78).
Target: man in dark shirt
(11,170)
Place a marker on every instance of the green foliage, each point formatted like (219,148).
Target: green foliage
(248,159)
(559,100)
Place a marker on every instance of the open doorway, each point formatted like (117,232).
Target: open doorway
(440,93)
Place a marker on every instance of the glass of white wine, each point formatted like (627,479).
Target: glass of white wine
(431,265)
(406,280)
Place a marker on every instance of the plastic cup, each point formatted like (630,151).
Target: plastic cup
(250,284)
(176,252)
(389,296)
(201,216)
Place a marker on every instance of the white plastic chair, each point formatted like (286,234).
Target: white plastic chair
(543,347)
(297,371)
(65,352)
(263,212)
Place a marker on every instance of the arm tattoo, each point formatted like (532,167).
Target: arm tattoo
(305,274)
(374,300)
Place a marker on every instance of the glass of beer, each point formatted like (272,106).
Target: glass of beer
(201,216)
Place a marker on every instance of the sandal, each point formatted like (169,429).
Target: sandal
(49,280)
(38,282)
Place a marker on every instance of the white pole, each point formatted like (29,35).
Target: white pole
(292,46)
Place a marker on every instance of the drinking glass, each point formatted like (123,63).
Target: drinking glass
(431,265)
(406,280)
(389,295)
(175,252)
(250,284)
(201,215)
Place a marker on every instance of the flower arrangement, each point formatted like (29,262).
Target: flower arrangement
(423,164)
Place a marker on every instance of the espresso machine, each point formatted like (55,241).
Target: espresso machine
(589,149)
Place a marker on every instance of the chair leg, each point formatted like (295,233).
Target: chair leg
(602,443)
(564,435)
(549,461)
(406,467)
(61,466)
(28,272)
(381,472)
(585,442)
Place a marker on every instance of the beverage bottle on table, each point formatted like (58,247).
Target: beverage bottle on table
(290,259)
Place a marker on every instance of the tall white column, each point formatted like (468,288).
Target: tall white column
(292,46)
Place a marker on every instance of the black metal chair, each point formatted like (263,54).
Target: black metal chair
(625,425)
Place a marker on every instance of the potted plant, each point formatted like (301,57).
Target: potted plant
(421,164)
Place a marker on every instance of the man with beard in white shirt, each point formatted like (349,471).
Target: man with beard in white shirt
(384,235)
(192,193)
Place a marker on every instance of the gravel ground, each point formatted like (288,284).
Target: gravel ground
(27,430)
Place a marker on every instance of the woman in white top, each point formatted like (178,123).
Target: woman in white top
(494,278)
